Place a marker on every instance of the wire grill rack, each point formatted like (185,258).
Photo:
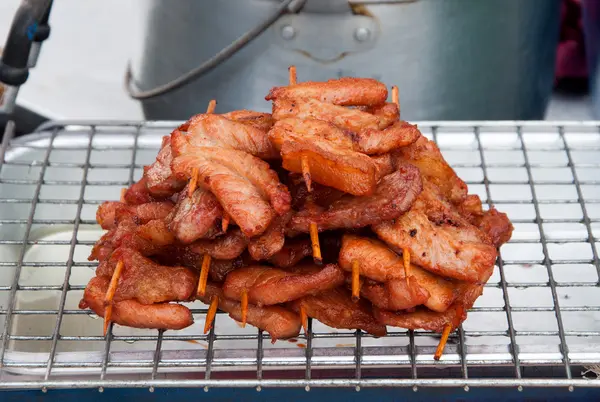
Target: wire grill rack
(537,324)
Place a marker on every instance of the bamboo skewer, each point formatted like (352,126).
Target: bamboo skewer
(395,96)
(225,222)
(440,348)
(314,230)
(194,179)
(304,319)
(355,281)
(110,294)
(244,307)
(210,315)
(406,259)
(203,275)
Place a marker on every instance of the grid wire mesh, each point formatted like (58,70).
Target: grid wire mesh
(537,324)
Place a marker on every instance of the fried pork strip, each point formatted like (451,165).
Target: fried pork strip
(379,263)
(328,153)
(141,213)
(395,294)
(336,309)
(269,286)
(132,313)
(206,130)
(226,247)
(440,241)
(497,226)
(425,155)
(292,252)
(146,281)
(195,217)
(393,196)
(160,181)
(138,193)
(271,241)
(261,121)
(343,91)
(248,190)
(354,120)
(278,321)
(430,320)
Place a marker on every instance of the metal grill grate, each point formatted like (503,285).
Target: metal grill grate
(537,324)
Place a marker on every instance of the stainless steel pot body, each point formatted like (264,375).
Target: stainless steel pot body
(452,59)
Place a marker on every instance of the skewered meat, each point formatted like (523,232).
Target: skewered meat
(425,155)
(142,213)
(396,294)
(343,91)
(354,120)
(268,286)
(138,193)
(381,264)
(384,165)
(320,194)
(146,281)
(271,241)
(261,121)
(213,130)
(393,196)
(132,313)
(398,135)
(497,226)
(160,181)
(328,153)
(278,321)
(243,184)
(430,320)
(226,247)
(336,309)
(448,248)
(292,252)
(195,217)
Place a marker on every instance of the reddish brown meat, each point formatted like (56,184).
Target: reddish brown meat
(292,252)
(226,247)
(343,91)
(269,286)
(261,121)
(160,180)
(195,217)
(271,241)
(374,141)
(146,281)
(132,313)
(395,294)
(393,196)
(278,321)
(213,130)
(497,226)
(336,309)
(138,193)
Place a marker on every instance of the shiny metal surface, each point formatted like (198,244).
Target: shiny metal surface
(452,59)
(537,323)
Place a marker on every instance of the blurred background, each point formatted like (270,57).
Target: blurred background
(452,59)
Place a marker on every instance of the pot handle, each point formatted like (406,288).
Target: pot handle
(286,6)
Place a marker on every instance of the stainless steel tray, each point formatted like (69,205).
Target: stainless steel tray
(541,307)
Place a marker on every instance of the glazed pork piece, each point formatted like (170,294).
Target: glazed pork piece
(279,322)
(132,313)
(110,212)
(146,281)
(393,196)
(336,309)
(271,241)
(195,217)
(247,189)
(267,285)
(160,181)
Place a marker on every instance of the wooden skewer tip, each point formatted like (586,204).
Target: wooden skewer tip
(211,106)
(293,76)
(316,247)
(107,314)
(406,260)
(210,315)
(395,96)
(306,173)
(193,182)
(442,345)
(203,275)
(244,307)
(304,319)
(225,223)
(355,280)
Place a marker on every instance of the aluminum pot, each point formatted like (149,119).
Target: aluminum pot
(452,59)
